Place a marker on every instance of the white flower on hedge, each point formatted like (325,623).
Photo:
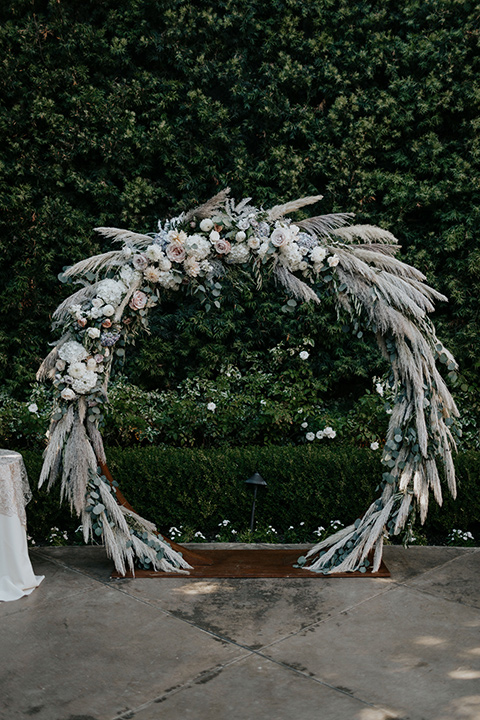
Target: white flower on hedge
(329,432)
(379,388)
(374,445)
(320,434)
(333,260)
(33,408)
(254,243)
(77,370)
(93,332)
(310,436)
(86,383)
(111,291)
(197,247)
(239,253)
(304,355)
(240,236)
(72,351)
(206,225)
(67,394)
(199,535)
(211,406)
(304,425)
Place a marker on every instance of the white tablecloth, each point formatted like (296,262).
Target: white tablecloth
(16,573)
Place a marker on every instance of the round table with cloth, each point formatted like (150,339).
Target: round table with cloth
(16,573)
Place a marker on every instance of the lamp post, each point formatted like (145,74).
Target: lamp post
(256,481)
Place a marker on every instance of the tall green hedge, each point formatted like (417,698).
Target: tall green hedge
(123,111)
(200,488)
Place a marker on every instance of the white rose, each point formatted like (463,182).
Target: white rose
(214,236)
(280,236)
(60,365)
(320,434)
(72,351)
(206,225)
(329,432)
(254,243)
(240,236)
(97,302)
(67,394)
(33,408)
(91,364)
(93,332)
(77,370)
(333,260)
(294,229)
(304,425)
(304,355)
(374,445)
(108,310)
(318,254)
(211,406)
(310,436)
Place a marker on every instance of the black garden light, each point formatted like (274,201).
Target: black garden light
(255,481)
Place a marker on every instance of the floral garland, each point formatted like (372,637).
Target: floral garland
(322,254)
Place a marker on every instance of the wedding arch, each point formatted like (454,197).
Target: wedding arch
(356,264)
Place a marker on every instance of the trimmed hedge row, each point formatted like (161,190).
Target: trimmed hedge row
(200,488)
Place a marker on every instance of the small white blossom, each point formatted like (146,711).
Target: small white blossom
(211,406)
(329,432)
(320,434)
(214,236)
(333,260)
(240,236)
(310,436)
(206,225)
(379,388)
(33,408)
(374,445)
(304,425)
(93,332)
(304,355)
(108,310)
(67,394)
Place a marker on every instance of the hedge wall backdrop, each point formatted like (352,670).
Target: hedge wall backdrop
(121,112)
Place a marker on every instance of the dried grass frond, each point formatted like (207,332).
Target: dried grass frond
(294,285)
(278,211)
(113,258)
(325,225)
(204,211)
(366,233)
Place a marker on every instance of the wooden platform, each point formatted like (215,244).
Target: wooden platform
(254,563)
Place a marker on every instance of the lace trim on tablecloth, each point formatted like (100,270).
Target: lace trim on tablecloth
(15,491)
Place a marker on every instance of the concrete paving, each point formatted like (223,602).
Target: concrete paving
(85,647)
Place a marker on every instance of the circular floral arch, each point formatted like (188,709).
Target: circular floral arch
(356,264)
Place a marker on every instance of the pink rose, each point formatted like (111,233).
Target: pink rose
(175,252)
(138,300)
(140,262)
(222,246)
(107,323)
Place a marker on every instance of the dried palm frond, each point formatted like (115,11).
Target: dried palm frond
(97,442)
(208,208)
(62,312)
(384,261)
(132,239)
(325,225)
(278,211)
(367,233)
(47,368)
(293,285)
(113,258)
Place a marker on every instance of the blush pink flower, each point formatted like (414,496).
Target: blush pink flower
(138,300)
(139,262)
(222,246)
(175,252)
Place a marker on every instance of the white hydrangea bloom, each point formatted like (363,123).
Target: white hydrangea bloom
(290,256)
(239,253)
(197,247)
(318,255)
(72,351)
(111,291)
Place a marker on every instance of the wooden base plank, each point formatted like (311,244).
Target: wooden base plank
(254,563)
